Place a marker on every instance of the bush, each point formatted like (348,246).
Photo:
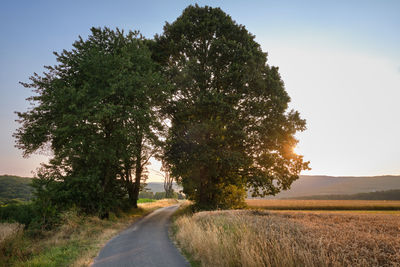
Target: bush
(34,216)
(159,195)
(146,194)
(226,196)
(232,197)
(21,213)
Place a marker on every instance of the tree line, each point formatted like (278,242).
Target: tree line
(200,97)
(160,195)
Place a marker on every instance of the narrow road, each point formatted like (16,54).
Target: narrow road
(145,243)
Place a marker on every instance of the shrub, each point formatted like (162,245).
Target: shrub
(232,197)
(21,213)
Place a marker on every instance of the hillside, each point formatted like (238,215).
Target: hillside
(308,185)
(18,188)
(14,188)
(379,195)
(318,186)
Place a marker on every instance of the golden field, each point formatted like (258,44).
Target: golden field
(283,204)
(290,238)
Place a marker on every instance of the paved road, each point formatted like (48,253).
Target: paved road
(145,243)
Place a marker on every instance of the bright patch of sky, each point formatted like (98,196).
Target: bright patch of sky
(340,61)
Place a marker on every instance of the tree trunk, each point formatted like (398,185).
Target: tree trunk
(138,173)
(168,184)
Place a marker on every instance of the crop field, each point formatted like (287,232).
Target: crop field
(282,204)
(290,238)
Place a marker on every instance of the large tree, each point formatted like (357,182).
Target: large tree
(231,129)
(97,111)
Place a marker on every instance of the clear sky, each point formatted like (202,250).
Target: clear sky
(340,61)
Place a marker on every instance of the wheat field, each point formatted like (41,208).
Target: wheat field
(262,238)
(294,204)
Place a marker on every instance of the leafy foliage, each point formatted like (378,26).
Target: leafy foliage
(97,111)
(21,213)
(231,127)
(159,195)
(102,112)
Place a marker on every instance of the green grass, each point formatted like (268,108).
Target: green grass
(74,243)
(56,256)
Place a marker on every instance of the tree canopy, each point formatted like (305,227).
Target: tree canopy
(105,109)
(231,129)
(98,113)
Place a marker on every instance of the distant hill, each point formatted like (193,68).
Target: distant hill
(15,188)
(309,185)
(379,195)
(316,186)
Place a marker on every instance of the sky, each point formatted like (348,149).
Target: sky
(339,60)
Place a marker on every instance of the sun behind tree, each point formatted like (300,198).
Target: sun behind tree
(231,128)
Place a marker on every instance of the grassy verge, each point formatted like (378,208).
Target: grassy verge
(75,243)
(184,210)
(262,238)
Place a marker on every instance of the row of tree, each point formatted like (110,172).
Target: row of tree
(160,195)
(201,97)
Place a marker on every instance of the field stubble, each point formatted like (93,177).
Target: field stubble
(262,238)
(294,204)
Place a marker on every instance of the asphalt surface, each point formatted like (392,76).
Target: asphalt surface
(145,243)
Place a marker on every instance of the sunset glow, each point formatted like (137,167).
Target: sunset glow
(339,62)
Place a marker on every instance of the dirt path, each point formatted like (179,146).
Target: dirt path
(144,243)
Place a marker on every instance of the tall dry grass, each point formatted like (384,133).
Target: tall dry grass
(8,230)
(261,238)
(159,203)
(76,242)
(294,204)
